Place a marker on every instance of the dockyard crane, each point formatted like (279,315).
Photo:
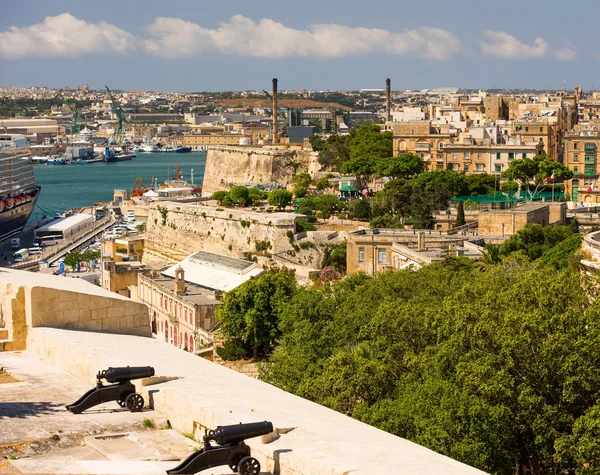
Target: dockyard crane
(71,103)
(118,111)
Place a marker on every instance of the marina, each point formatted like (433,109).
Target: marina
(68,187)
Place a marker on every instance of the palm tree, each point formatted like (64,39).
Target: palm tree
(491,254)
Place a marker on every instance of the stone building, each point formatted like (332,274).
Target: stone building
(506,222)
(540,130)
(423,139)
(580,156)
(198,140)
(481,156)
(372,251)
(182,299)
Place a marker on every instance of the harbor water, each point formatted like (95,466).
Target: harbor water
(73,186)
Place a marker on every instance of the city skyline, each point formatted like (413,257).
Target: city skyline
(189,47)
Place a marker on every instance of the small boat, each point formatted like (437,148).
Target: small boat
(177,150)
(56,161)
(148,148)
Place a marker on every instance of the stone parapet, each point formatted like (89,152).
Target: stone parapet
(195,394)
(30,300)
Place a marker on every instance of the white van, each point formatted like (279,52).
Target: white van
(15,243)
(20,254)
(35,250)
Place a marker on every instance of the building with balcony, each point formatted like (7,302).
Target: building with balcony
(581,156)
(423,139)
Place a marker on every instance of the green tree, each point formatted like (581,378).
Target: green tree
(72,259)
(362,167)
(532,173)
(482,183)
(360,209)
(317,143)
(249,315)
(496,368)
(460,214)
(335,256)
(239,195)
(402,166)
(280,198)
(369,141)
(335,152)
(219,196)
(491,255)
(90,255)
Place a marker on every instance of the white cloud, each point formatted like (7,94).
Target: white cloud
(565,54)
(503,45)
(174,37)
(64,35)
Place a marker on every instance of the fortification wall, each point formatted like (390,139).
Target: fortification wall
(195,394)
(227,166)
(176,230)
(30,300)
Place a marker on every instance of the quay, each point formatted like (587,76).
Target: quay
(52,253)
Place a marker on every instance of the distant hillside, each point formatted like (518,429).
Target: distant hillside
(292,103)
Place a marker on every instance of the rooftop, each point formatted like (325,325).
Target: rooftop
(193,294)
(66,223)
(215,272)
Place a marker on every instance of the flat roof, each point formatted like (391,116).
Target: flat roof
(215,272)
(64,224)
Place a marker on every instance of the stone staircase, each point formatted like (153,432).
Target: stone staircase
(6,344)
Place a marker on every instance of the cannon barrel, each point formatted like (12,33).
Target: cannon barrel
(237,433)
(127,373)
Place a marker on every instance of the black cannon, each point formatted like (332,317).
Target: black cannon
(231,450)
(121,391)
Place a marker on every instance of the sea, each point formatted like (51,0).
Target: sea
(74,186)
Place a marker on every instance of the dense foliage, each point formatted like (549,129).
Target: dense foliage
(239,195)
(249,315)
(494,365)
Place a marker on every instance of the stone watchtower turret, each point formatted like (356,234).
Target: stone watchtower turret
(179,281)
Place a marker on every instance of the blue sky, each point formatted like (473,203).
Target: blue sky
(236,45)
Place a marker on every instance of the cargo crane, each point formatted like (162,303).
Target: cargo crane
(139,189)
(118,111)
(71,103)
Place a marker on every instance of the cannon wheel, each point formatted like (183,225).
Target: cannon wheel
(121,402)
(235,463)
(134,402)
(249,466)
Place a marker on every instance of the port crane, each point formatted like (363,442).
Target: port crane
(139,189)
(71,103)
(118,111)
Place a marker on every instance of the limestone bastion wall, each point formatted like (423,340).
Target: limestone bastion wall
(176,230)
(29,300)
(227,166)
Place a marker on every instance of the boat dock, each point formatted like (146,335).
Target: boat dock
(53,253)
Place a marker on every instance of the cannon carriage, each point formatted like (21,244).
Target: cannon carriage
(122,390)
(230,450)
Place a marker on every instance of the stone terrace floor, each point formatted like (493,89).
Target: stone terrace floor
(39,436)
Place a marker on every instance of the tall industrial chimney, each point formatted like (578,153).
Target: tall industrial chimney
(388,99)
(275,138)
